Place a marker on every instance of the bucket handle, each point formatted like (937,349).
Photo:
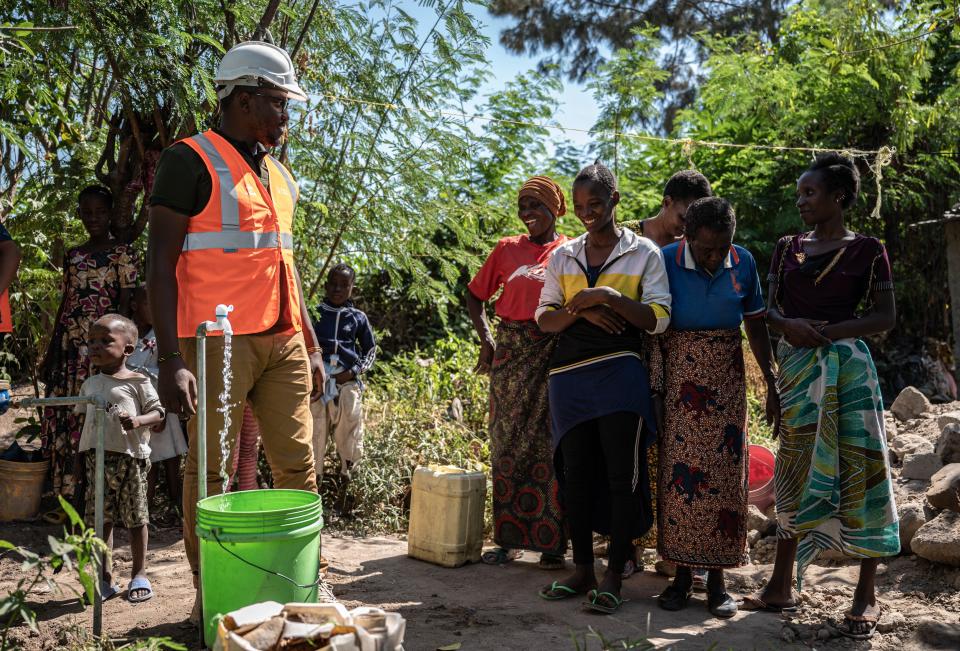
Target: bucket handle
(308,586)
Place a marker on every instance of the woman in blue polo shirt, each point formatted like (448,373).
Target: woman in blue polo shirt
(702,491)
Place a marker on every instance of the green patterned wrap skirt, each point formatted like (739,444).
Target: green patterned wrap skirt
(832,476)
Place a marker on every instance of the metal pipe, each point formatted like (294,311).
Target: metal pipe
(202,410)
(62,401)
(222,324)
(100,421)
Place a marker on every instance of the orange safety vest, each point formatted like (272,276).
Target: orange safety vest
(237,245)
(6,323)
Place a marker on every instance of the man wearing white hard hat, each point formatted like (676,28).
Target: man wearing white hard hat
(221,231)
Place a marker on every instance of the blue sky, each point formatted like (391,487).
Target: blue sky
(575,105)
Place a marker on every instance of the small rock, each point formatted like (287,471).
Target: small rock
(823,634)
(944,491)
(906,444)
(764,551)
(912,518)
(948,446)
(910,404)
(752,537)
(890,621)
(921,465)
(939,539)
(949,418)
(757,520)
(771,512)
(890,427)
(788,635)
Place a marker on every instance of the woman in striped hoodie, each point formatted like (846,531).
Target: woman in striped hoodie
(603,291)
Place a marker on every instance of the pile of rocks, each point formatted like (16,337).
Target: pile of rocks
(924,448)
(924,444)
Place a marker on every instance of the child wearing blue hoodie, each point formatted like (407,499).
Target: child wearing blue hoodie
(349,349)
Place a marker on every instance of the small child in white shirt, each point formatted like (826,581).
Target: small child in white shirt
(167,443)
(134,409)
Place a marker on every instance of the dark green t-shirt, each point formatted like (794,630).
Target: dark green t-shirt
(182,182)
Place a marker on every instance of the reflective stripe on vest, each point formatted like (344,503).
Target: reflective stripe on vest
(236,240)
(229,203)
(291,186)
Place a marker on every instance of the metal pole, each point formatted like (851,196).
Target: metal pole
(202,414)
(100,424)
(59,401)
(201,446)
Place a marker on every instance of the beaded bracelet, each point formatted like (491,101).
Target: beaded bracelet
(314,349)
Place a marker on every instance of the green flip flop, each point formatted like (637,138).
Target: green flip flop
(565,592)
(594,596)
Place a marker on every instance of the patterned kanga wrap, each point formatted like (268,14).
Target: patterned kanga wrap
(832,478)
(526,506)
(702,491)
(92,287)
(124,489)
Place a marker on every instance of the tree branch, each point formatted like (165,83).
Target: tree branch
(230,33)
(348,216)
(268,15)
(306,28)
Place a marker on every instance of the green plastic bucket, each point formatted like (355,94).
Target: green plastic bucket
(247,540)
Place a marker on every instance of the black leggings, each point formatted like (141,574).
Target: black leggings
(609,443)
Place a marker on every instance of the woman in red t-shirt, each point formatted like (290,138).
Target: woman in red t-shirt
(526,509)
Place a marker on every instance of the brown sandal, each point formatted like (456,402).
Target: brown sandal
(754,602)
(850,618)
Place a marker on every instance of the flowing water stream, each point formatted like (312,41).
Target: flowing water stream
(224,408)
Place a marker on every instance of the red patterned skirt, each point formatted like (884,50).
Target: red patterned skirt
(702,491)
(526,505)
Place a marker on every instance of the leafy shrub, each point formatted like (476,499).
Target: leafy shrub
(421,407)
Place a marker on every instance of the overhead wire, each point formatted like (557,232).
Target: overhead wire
(881,157)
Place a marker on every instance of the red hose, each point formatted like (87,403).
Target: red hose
(247,454)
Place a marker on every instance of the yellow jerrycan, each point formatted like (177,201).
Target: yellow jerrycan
(446,515)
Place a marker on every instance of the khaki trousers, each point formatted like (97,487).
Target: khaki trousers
(343,417)
(272,372)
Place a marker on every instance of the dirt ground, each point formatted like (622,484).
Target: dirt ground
(488,608)
(484,607)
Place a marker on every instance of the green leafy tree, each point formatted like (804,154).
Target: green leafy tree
(576,35)
(838,76)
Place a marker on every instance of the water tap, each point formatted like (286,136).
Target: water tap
(222,323)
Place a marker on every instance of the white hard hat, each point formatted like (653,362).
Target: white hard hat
(254,62)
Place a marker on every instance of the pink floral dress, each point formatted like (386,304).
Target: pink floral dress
(92,286)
